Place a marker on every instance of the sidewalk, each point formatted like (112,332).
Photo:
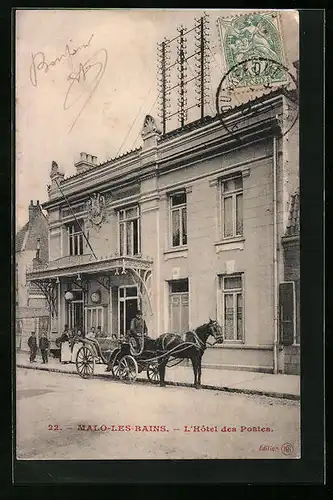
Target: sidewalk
(265,384)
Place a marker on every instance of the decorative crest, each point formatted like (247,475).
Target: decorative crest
(149,127)
(54,169)
(96,209)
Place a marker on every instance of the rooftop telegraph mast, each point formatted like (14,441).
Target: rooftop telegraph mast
(189,50)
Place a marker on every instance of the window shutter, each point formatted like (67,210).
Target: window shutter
(287,312)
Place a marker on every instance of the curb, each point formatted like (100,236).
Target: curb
(254,392)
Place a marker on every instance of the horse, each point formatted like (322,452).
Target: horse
(191,346)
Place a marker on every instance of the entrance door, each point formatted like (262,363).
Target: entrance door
(75,314)
(128,303)
(94,317)
(179,311)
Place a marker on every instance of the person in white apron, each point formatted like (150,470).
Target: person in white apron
(77,344)
(66,353)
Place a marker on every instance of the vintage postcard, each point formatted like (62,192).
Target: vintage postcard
(157,234)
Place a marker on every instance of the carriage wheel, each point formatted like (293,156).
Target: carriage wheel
(85,362)
(115,364)
(153,373)
(128,369)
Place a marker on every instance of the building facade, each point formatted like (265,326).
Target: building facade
(290,290)
(31,246)
(187,227)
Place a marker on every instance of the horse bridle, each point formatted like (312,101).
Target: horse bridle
(218,338)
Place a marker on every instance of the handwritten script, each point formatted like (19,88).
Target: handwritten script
(39,62)
(85,81)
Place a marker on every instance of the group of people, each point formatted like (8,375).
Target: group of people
(43,346)
(69,341)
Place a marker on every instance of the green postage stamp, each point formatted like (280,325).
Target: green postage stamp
(256,40)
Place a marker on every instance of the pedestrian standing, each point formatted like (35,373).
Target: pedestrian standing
(76,344)
(66,353)
(32,343)
(44,346)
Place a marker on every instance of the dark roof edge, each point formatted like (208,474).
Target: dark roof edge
(211,119)
(81,174)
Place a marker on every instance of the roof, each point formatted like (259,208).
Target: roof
(20,237)
(36,228)
(188,127)
(242,101)
(110,161)
(294,217)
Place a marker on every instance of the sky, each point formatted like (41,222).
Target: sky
(95,100)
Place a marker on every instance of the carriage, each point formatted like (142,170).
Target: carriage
(127,357)
(124,359)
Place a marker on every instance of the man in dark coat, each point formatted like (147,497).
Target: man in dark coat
(44,346)
(138,325)
(138,331)
(32,343)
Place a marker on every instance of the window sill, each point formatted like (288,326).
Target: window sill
(136,255)
(175,253)
(230,244)
(240,345)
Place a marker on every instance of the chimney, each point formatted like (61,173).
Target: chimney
(85,163)
(56,177)
(33,210)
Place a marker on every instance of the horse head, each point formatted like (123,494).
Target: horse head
(215,330)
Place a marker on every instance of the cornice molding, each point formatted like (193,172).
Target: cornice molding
(107,264)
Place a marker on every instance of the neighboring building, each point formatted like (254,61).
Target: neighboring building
(31,246)
(188,226)
(290,290)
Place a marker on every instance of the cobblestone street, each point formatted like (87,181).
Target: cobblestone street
(62,416)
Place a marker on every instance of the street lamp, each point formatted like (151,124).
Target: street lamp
(69,296)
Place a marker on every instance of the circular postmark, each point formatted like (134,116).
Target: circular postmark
(246,82)
(287,448)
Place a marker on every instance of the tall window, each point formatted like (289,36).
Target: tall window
(129,231)
(74,311)
(179,301)
(232,207)
(94,317)
(178,217)
(75,238)
(128,303)
(232,307)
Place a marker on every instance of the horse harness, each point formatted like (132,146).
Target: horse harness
(198,342)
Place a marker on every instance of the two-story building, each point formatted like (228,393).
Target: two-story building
(31,246)
(189,226)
